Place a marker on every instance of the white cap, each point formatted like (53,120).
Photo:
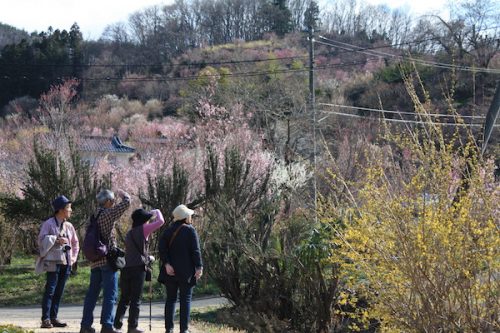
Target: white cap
(181,212)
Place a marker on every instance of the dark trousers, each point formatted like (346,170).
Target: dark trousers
(54,288)
(185,292)
(131,284)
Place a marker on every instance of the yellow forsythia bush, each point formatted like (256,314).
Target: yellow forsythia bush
(425,238)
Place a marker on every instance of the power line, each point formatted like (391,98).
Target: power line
(425,62)
(162,78)
(194,64)
(354,48)
(367,48)
(199,64)
(401,120)
(399,112)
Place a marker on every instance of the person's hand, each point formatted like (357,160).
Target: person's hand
(121,193)
(170,269)
(62,240)
(198,273)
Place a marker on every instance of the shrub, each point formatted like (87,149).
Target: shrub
(275,270)
(421,241)
(8,233)
(47,176)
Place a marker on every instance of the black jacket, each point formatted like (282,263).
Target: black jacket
(184,255)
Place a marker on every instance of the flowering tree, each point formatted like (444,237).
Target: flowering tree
(56,109)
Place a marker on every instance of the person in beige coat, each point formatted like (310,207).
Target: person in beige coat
(58,250)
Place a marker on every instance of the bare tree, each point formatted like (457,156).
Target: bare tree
(471,34)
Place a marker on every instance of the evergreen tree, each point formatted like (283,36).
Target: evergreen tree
(31,67)
(276,17)
(311,16)
(165,192)
(49,175)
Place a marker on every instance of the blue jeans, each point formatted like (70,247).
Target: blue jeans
(185,292)
(101,277)
(54,288)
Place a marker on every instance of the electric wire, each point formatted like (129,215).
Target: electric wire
(354,48)
(163,78)
(194,64)
(399,112)
(419,122)
(189,64)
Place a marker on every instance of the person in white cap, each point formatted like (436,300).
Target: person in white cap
(181,264)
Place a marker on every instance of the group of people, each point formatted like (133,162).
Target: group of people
(180,255)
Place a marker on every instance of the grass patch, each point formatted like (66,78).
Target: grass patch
(207,320)
(214,328)
(20,285)
(207,314)
(13,329)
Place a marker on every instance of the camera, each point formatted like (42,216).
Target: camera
(66,248)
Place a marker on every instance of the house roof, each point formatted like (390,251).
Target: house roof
(103,144)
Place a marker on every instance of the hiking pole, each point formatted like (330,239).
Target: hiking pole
(150,296)
(151,258)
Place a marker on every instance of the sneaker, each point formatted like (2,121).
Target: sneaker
(87,330)
(46,324)
(109,330)
(135,330)
(57,323)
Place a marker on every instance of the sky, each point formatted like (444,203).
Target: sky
(94,15)
(416,7)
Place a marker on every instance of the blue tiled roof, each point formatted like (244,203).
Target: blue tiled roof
(103,144)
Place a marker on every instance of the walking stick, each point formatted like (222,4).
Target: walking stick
(150,296)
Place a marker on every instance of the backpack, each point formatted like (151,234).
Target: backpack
(93,248)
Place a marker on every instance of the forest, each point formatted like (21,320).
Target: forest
(344,157)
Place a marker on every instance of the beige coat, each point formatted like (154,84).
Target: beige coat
(51,254)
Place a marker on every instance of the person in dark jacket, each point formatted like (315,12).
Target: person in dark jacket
(181,266)
(137,260)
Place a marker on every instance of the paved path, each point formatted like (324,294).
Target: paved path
(28,317)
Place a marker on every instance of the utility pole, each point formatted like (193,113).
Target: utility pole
(312,103)
(491,117)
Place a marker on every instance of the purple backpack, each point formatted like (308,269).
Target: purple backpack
(93,248)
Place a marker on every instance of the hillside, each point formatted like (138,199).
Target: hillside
(11,35)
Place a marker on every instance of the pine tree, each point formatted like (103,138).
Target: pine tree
(49,175)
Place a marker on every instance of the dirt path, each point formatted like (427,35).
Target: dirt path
(29,317)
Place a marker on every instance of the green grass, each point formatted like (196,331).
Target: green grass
(207,319)
(20,285)
(13,329)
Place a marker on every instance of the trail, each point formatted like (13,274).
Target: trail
(28,317)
